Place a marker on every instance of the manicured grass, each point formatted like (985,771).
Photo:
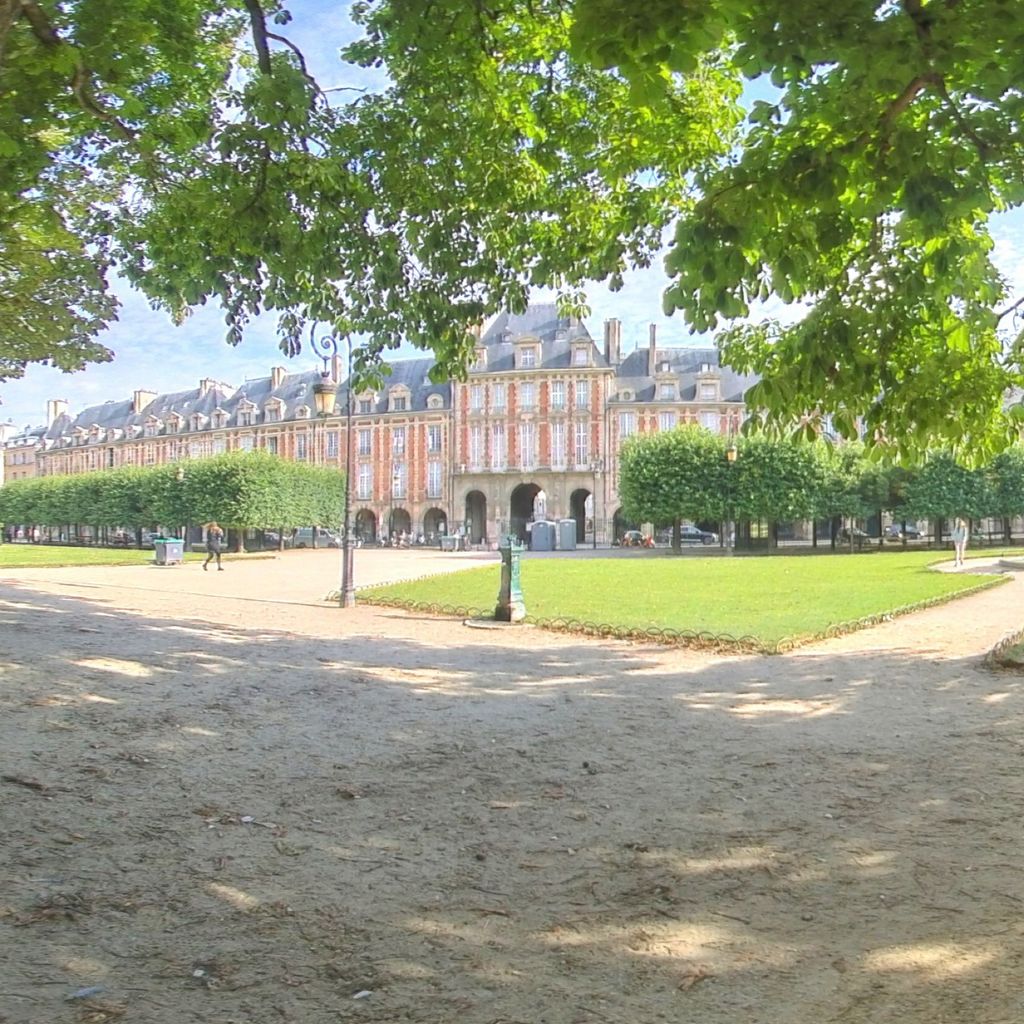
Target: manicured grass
(769,598)
(34,556)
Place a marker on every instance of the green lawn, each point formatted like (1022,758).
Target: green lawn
(769,597)
(34,556)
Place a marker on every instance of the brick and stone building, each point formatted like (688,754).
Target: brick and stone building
(533,431)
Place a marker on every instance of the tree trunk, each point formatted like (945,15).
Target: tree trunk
(677,537)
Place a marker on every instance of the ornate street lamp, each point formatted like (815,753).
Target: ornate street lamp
(731,454)
(595,468)
(324,394)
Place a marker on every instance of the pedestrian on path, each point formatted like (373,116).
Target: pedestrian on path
(960,534)
(214,535)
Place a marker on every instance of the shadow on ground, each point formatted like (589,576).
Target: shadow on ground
(220,825)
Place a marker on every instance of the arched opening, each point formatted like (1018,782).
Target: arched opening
(620,524)
(365,526)
(526,504)
(476,517)
(401,522)
(435,525)
(581,508)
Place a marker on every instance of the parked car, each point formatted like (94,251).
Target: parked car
(899,531)
(303,538)
(694,535)
(857,533)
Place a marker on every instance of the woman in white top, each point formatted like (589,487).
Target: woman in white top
(959,536)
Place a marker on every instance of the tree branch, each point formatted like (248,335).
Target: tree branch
(258,20)
(313,83)
(1009,309)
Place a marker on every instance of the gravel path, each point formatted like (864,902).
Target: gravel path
(224,801)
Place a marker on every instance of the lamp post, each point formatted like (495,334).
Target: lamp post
(324,393)
(595,468)
(731,454)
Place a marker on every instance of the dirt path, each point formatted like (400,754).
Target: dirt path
(224,803)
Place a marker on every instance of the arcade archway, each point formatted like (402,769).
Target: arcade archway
(435,524)
(581,508)
(524,507)
(365,526)
(476,517)
(401,522)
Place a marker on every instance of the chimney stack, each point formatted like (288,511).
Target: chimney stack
(276,377)
(55,408)
(652,359)
(613,341)
(206,385)
(141,400)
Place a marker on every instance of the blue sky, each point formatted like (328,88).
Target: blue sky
(151,352)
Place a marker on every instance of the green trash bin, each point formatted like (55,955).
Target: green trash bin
(168,550)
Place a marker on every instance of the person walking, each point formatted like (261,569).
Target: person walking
(214,536)
(959,535)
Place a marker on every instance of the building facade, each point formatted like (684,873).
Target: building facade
(532,432)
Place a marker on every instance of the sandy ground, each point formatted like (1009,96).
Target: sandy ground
(224,802)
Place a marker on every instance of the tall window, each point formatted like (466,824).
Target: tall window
(476,397)
(245,442)
(398,440)
(499,396)
(527,396)
(558,444)
(301,446)
(527,446)
(434,478)
(476,447)
(220,446)
(498,454)
(582,394)
(582,445)
(558,394)
(398,480)
(332,444)
(667,421)
(433,438)
(270,443)
(365,444)
(710,421)
(627,424)
(364,485)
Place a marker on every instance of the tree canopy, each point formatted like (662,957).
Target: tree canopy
(842,160)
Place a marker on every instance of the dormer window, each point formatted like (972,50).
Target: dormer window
(435,402)
(198,421)
(152,427)
(709,391)
(581,355)
(272,413)
(302,413)
(480,358)
(365,406)
(245,417)
(220,418)
(666,392)
(527,357)
(398,399)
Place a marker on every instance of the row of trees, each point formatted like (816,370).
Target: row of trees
(686,474)
(240,490)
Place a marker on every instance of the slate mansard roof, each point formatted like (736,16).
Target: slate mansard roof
(293,393)
(685,364)
(557,335)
